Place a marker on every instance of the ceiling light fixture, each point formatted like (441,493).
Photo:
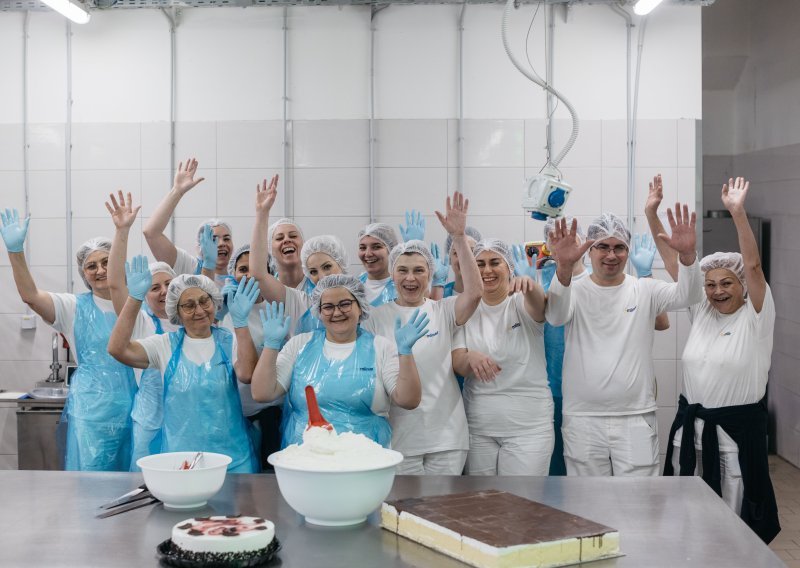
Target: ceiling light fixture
(644,7)
(71,11)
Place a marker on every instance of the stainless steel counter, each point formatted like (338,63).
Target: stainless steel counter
(47,519)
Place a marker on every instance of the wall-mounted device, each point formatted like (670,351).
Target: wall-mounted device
(545,195)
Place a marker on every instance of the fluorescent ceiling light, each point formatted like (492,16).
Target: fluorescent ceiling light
(644,7)
(69,10)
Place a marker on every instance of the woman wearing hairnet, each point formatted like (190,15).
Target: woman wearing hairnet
(433,437)
(97,413)
(720,430)
(199,362)
(320,256)
(456,286)
(214,236)
(508,403)
(147,413)
(355,374)
(375,241)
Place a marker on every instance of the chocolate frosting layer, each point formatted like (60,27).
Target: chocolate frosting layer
(499,519)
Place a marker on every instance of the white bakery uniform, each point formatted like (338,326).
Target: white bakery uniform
(511,417)
(609,425)
(432,437)
(726,363)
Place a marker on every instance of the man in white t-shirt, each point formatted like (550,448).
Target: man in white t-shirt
(609,423)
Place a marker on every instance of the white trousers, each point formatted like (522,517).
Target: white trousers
(731,474)
(450,462)
(611,445)
(525,454)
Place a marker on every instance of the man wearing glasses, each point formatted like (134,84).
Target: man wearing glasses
(609,423)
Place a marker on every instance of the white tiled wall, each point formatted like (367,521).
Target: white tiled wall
(229,108)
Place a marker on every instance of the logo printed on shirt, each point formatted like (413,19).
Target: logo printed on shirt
(726,334)
(434,334)
(515,326)
(631,310)
(366,368)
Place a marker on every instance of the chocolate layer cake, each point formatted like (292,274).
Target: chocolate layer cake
(495,529)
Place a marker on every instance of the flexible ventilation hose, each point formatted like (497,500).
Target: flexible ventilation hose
(536,79)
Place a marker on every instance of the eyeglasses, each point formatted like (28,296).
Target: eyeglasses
(605,249)
(190,306)
(344,306)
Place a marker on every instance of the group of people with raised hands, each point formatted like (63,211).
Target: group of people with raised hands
(504,369)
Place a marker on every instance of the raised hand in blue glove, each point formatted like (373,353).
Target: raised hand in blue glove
(441,266)
(242,302)
(643,255)
(13,231)
(521,266)
(208,248)
(546,274)
(407,335)
(228,291)
(138,277)
(415,227)
(275,325)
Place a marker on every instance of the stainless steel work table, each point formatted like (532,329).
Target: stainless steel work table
(48,520)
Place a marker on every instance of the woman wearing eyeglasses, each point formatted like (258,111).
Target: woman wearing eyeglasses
(200,363)
(355,374)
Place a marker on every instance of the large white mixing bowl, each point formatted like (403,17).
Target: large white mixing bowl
(184,489)
(335,498)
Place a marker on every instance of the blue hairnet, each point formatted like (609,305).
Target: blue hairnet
(351,283)
(183,282)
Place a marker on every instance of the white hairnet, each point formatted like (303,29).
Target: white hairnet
(351,283)
(550,225)
(732,261)
(156,267)
(327,244)
(183,282)
(87,248)
(212,223)
(271,233)
(609,226)
(381,231)
(471,232)
(412,247)
(244,249)
(498,246)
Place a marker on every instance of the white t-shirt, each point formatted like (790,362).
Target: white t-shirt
(727,359)
(387,366)
(439,423)
(296,304)
(518,399)
(373,289)
(186,263)
(196,350)
(608,351)
(65,309)
(249,404)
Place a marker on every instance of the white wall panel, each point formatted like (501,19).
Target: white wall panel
(106,146)
(47,86)
(411,143)
(11,145)
(329,192)
(11,66)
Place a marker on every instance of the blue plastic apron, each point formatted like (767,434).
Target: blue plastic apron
(344,389)
(388,294)
(202,410)
(148,408)
(98,409)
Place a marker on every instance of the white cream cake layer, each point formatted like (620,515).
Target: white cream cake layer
(223,534)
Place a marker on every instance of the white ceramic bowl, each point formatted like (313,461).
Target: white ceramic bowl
(184,489)
(335,498)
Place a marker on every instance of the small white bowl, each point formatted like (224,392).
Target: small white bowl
(184,489)
(335,498)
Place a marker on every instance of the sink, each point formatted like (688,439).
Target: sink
(45,393)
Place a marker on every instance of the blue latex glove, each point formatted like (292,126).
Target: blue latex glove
(242,302)
(208,248)
(643,255)
(13,231)
(521,266)
(441,267)
(228,292)
(138,277)
(407,335)
(275,325)
(546,274)
(415,227)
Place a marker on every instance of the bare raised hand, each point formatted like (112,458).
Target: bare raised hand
(184,177)
(266,194)
(734,194)
(454,220)
(122,214)
(655,195)
(684,238)
(565,244)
